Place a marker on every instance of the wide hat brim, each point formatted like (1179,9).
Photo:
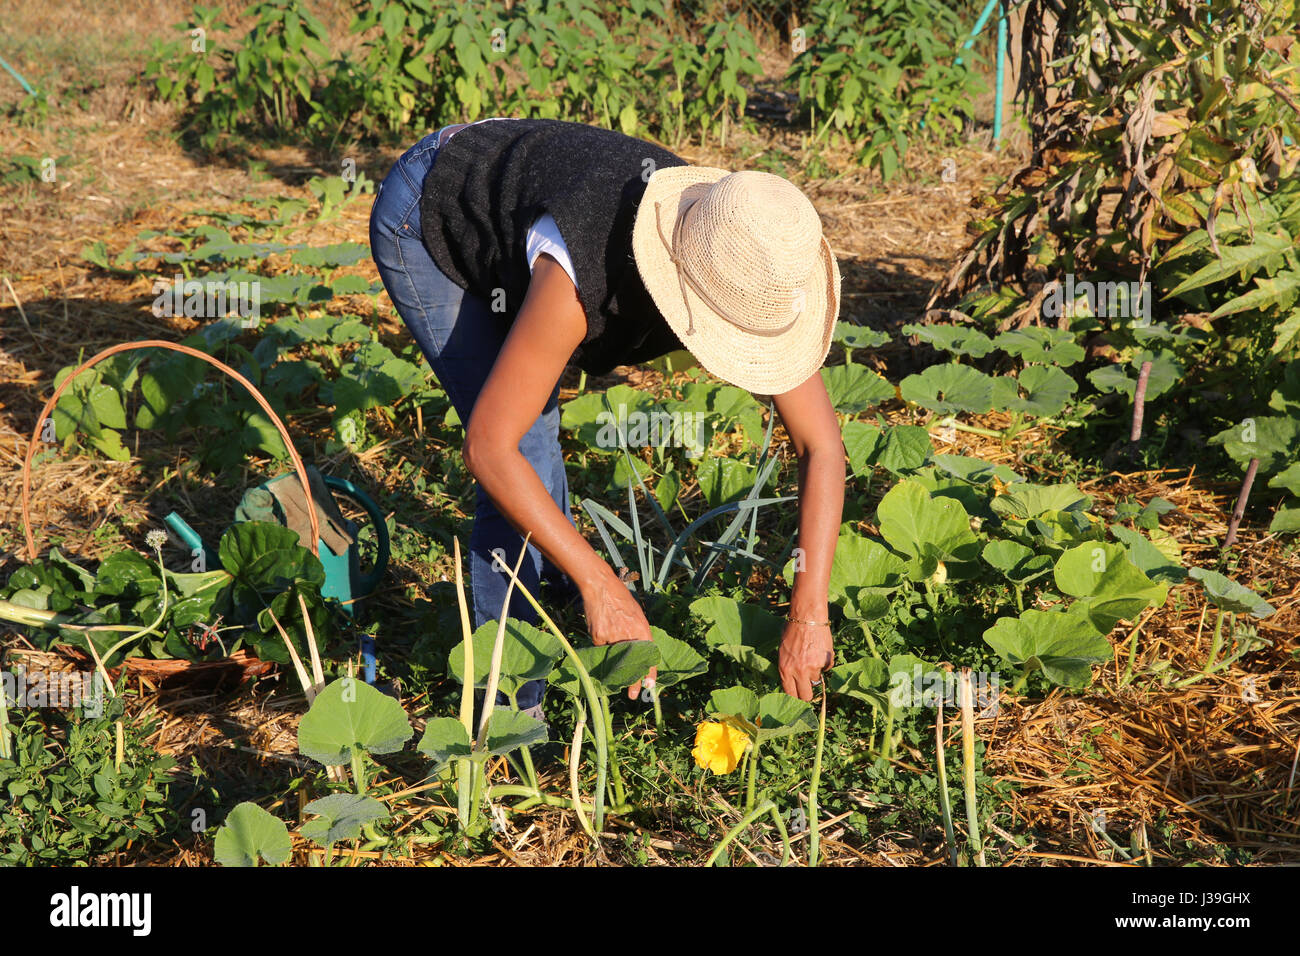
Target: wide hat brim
(766,364)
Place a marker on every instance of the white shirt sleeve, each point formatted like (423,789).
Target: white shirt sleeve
(544,236)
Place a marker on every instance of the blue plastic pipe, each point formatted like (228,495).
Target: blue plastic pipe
(17,76)
(1001,81)
(979,25)
(368,657)
(1002,57)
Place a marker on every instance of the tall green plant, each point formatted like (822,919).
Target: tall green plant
(878,75)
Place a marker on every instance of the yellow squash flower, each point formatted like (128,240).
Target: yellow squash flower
(718,746)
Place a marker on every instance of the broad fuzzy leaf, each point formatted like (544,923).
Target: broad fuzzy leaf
(1149,559)
(1028,500)
(1108,584)
(1274,440)
(1064,645)
(445,739)
(612,667)
(948,389)
(527,654)
(350,715)
(952,338)
(853,388)
(1041,345)
(249,833)
(340,816)
(905,448)
(738,701)
(856,337)
(1230,596)
(925,528)
(678,661)
(1047,391)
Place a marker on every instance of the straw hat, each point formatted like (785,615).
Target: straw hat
(737,264)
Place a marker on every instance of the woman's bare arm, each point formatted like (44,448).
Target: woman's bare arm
(809,419)
(549,327)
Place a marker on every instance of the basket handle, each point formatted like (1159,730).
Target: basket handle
(185,349)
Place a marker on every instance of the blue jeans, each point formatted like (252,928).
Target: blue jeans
(461,339)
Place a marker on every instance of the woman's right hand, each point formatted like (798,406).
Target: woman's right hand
(613,615)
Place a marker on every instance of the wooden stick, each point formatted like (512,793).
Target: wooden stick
(1240,510)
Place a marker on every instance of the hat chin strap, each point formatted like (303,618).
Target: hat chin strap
(684,279)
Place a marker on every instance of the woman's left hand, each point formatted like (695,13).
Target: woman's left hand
(806,652)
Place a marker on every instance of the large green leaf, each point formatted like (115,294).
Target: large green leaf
(340,816)
(266,559)
(952,338)
(1046,389)
(738,700)
(924,528)
(527,654)
(745,633)
(856,337)
(1150,560)
(678,661)
(975,470)
(333,256)
(509,730)
(1285,521)
(780,715)
(861,443)
(1274,440)
(1166,372)
(1044,345)
(865,678)
(1057,530)
(350,715)
(598,418)
(249,833)
(905,448)
(948,389)
(1230,596)
(853,388)
(859,562)
(1286,397)
(1064,645)
(907,675)
(1289,478)
(724,479)
(1108,584)
(731,622)
(863,574)
(612,667)
(445,739)
(1028,500)
(1015,561)
(127,573)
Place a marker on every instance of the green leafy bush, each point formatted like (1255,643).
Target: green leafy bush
(64,801)
(881,74)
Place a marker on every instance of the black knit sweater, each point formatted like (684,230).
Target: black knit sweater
(492,180)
